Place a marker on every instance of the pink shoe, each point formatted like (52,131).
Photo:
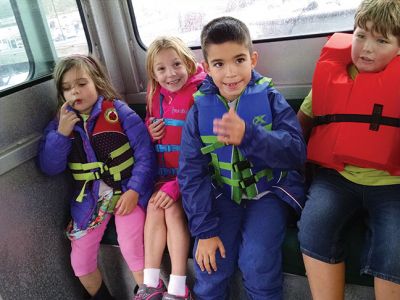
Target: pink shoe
(188,296)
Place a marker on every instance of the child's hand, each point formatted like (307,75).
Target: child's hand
(161,199)
(126,203)
(230,129)
(68,119)
(205,253)
(157,129)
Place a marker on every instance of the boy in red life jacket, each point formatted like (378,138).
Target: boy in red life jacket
(108,150)
(173,79)
(352,124)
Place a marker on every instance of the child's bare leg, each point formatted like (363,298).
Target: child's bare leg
(92,282)
(155,232)
(177,238)
(138,276)
(386,290)
(326,280)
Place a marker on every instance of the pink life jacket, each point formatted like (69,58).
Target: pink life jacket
(173,108)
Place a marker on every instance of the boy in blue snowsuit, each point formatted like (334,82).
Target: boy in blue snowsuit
(240,147)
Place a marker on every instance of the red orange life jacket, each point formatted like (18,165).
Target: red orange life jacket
(356,121)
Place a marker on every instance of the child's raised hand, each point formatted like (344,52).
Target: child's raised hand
(157,129)
(230,129)
(68,119)
(205,253)
(126,203)
(161,199)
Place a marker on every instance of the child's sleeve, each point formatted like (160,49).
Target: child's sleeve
(305,116)
(144,169)
(53,150)
(283,147)
(171,188)
(195,181)
(306,106)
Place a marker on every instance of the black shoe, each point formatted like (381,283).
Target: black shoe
(103,293)
(136,289)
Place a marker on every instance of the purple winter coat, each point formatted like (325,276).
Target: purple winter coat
(55,148)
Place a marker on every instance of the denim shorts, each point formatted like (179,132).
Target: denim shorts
(332,202)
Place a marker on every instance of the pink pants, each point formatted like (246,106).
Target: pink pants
(129,229)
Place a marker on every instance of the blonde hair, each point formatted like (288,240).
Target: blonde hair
(93,68)
(159,44)
(384,14)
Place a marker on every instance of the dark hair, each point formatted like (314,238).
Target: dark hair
(225,29)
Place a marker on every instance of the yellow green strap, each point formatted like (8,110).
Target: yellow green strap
(85,166)
(213,141)
(117,152)
(82,192)
(116,170)
(98,164)
(86,176)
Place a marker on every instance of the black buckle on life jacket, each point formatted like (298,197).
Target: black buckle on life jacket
(241,165)
(376,118)
(248,181)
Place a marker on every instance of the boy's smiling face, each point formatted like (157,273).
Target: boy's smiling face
(230,65)
(371,51)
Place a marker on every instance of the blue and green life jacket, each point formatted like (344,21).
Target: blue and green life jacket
(230,169)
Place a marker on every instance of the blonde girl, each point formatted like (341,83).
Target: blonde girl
(173,77)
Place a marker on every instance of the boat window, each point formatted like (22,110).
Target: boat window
(266,19)
(34,34)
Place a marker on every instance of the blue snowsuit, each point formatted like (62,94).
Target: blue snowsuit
(252,231)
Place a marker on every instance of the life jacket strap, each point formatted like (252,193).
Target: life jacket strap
(167,148)
(214,144)
(119,151)
(173,122)
(100,169)
(167,171)
(374,120)
(85,166)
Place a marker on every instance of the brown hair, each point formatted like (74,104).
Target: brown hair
(94,69)
(384,14)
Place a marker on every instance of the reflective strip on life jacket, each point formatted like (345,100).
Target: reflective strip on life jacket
(101,168)
(243,180)
(167,148)
(173,122)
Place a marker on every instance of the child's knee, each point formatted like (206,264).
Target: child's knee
(83,263)
(175,213)
(153,211)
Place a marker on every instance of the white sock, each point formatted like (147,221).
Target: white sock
(177,285)
(151,277)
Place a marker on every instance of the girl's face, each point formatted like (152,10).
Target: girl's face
(169,70)
(371,51)
(79,90)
